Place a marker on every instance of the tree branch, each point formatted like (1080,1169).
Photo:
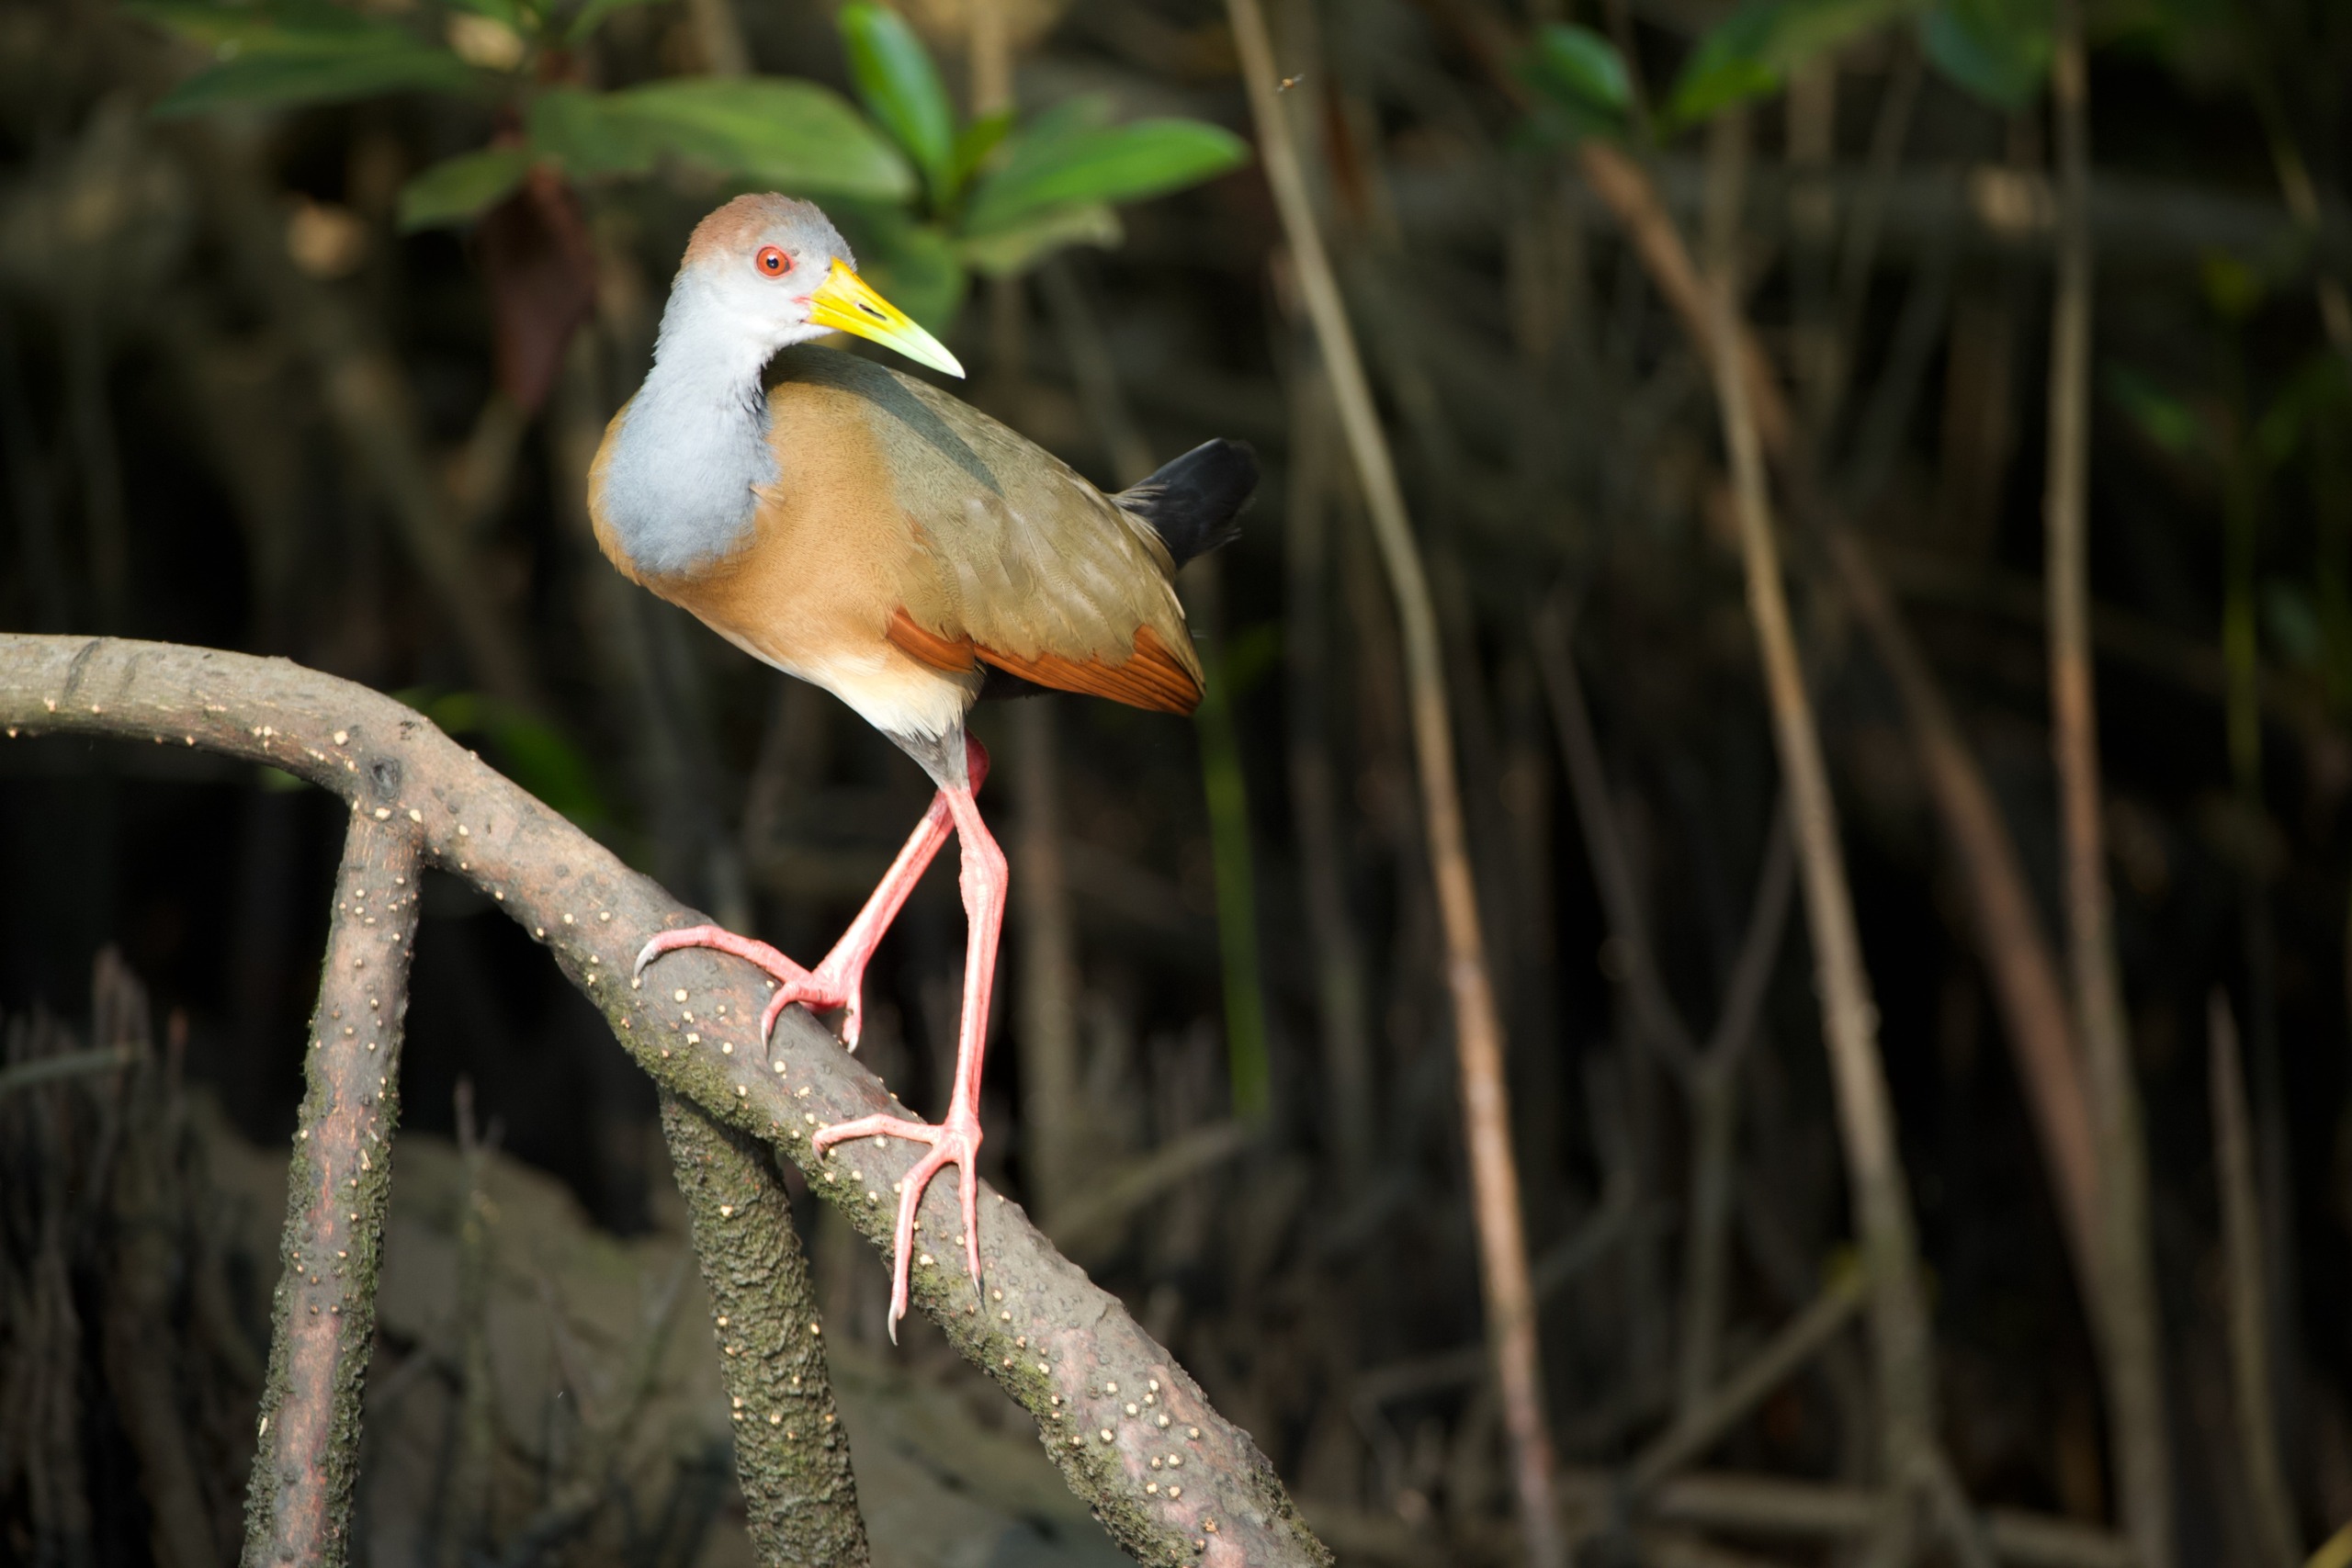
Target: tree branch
(1048,1337)
(339,1184)
(789,1452)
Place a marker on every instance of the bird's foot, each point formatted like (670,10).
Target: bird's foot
(952,1142)
(837,982)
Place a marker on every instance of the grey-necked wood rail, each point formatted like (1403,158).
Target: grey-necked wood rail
(869,534)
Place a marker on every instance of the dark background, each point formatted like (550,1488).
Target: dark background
(174,470)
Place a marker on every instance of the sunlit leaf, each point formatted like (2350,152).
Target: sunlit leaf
(1000,252)
(1579,77)
(461,187)
(1050,168)
(796,136)
(486,43)
(1751,52)
(901,87)
(1998,50)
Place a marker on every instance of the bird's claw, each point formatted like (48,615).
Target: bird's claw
(952,1142)
(819,990)
(827,986)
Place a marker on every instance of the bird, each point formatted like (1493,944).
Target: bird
(867,532)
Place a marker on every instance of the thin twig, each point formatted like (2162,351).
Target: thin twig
(1769,1508)
(65,1065)
(1709,1077)
(1654,1010)
(1049,1337)
(1798,1342)
(1903,1354)
(366,395)
(1344,1012)
(1479,1034)
(2244,1293)
(2009,933)
(298,1509)
(2129,1316)
(1634,200)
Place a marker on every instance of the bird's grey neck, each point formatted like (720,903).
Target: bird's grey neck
(691,449)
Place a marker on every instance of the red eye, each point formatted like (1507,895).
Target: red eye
(773,262)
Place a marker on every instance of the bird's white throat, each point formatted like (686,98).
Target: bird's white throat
(692,447)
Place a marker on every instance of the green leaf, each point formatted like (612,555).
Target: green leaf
(1998,50)
(2292,621)
(898,85)
(2233,288)
(529,751)
(1000,252)
(461,187)
(910,263)
(2167,423)
(796,136)
(1052,166)
(302,53)
(282,78)
(594,15)
(591,134)
(1751,52)
(973,145)
(1581,77)
(507,11)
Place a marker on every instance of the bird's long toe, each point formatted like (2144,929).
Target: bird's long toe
(954,1142)
(718,938)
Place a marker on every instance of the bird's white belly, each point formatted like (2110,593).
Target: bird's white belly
(892,692)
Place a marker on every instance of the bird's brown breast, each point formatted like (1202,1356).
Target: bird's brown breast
(910,536)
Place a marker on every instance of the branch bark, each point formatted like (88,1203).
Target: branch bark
(1048,1335)
(298,1506)
(1477,1023)
(790,1453)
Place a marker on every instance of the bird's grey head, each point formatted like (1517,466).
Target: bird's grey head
(764,272)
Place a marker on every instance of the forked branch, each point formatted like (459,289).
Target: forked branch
(1171,1479)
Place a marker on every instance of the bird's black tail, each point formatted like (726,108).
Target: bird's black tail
(1195,503)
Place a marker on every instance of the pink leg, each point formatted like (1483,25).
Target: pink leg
(839,980)
(957,1136)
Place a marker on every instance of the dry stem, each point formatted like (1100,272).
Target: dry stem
(1849,1016)
(2131,1332)
(2247,1311)
(1477,1023)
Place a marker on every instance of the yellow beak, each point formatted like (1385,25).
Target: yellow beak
(846,304)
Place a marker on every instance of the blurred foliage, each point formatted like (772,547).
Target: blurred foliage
(932,200)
